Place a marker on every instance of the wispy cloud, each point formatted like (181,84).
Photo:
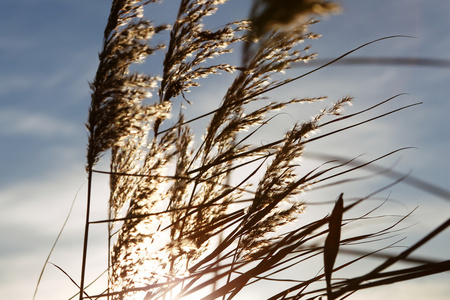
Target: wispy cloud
(25,123)
(16,43)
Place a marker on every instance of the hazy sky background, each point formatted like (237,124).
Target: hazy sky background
(48,54)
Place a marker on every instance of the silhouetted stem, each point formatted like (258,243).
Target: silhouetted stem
(86,233)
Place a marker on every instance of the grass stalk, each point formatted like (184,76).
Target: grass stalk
(86,233)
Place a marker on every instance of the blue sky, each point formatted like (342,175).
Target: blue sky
(48,54)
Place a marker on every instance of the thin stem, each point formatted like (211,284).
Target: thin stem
(109,250)
(86,233)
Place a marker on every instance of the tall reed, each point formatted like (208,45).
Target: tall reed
(179,224)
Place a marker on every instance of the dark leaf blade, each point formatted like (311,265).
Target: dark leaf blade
(332,241)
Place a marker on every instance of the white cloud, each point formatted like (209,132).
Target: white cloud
(15,43)
(16,122)
(32,215)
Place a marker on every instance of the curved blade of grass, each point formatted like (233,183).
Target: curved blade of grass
(356,282)
(71,279)
(410,180)
(287,81)
(56,241)
(269,145)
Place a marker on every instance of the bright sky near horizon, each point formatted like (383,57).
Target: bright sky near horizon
(48,54)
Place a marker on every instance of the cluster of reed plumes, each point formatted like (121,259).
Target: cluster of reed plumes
(178,224)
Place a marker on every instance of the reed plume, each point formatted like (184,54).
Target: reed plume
(178,225)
